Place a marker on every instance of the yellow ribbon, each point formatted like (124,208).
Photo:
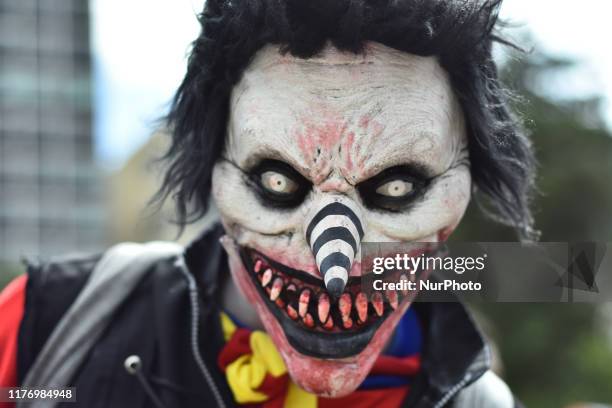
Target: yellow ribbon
(245,374)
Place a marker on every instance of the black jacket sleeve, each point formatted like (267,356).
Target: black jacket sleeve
(50,290)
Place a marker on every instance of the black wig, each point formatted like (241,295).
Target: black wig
(460,33)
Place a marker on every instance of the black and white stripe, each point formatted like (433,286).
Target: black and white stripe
(334,234)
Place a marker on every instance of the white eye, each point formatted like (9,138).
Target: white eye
(395,188)
(278,183)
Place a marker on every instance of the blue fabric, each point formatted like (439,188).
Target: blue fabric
(384,381)
(407,340)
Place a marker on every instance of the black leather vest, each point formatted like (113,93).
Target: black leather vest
(154,323)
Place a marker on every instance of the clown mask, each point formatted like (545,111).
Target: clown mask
(321,155)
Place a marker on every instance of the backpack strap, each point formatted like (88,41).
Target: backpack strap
(113,279)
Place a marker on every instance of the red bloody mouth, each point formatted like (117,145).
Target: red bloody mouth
(314,323)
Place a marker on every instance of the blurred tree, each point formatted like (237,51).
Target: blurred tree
(555,354)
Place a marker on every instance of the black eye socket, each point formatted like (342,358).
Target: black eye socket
(278,184)
(394,189)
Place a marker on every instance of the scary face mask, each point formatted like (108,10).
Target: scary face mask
(321,155)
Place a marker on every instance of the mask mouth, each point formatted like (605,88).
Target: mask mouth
(315,323)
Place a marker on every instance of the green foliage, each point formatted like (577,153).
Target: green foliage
(556,354)
(553,354)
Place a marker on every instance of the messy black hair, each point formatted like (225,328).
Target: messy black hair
(460,33)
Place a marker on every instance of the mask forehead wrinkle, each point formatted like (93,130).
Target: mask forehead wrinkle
(415,118)
(259,124)
(428,129)
(356,114)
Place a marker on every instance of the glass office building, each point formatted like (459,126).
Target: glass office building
(51,198)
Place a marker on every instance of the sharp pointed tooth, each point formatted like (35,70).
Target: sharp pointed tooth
(290,295)
(323,308)
(329,324)
(308,320)
(392,297)
(345,305)
(293,314)
(361,304)
(257,266)
(303,302)
(377,303)
(266,277)
(277,286)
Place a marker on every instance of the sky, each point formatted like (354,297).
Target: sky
(140,49)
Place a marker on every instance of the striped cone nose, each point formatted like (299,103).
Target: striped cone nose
(334,234)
